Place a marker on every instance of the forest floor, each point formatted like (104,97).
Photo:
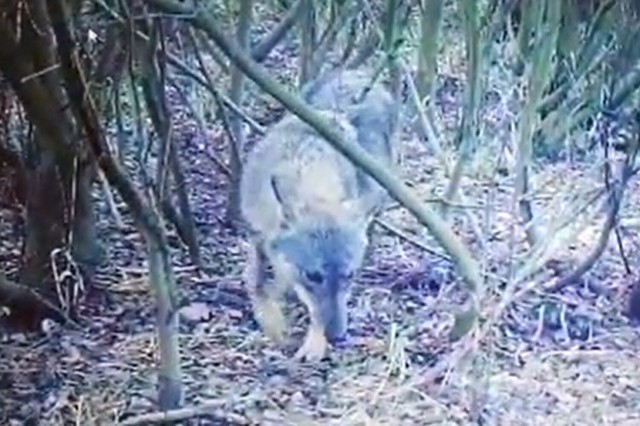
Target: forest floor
(563,358)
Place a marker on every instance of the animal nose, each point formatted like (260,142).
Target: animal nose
(336,333)
(335,319)
(339,341)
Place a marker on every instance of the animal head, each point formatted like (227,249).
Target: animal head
(322,249)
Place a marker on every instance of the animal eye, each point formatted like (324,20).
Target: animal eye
(314,277)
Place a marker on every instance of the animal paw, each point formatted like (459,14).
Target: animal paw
(272,321)
(314,347)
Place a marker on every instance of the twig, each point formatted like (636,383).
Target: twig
(408,238)
(111,203)
(209,410)
(217,97)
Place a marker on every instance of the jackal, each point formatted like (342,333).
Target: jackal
(309,210)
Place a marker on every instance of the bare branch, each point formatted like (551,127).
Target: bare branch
(271,40)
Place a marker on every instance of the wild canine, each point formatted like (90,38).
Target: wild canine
(309,209)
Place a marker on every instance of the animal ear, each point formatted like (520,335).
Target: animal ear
(283,196)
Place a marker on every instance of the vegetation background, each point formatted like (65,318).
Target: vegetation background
(500,288)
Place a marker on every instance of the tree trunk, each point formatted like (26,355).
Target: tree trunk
(236,143)
(48,218)
(45,217)
(86,248)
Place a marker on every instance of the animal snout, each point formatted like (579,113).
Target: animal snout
(336,331)
(335,321)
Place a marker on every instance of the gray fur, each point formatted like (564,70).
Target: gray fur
(370,108)
(308,208)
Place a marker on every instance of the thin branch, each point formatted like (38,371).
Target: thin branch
(409,239)
(210,410)
(200,123)
(271,40)
(154,83)
(179,64)
(616,192)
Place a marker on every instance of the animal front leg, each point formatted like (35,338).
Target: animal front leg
(268,313)
(265,298)
(314,345)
